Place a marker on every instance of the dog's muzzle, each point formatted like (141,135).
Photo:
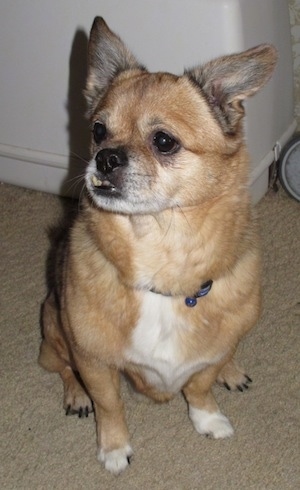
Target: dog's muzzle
(107,179)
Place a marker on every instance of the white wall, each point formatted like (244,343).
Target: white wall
(295,30)
(43,68)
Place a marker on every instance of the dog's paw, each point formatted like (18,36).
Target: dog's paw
(213,424)
(117,460)
(76,399)
(77,402)
(80,409)
(233,378)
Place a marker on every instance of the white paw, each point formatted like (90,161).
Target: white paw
(214,424)
(117,460)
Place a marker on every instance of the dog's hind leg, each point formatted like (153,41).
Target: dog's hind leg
(233,377)
(54,357)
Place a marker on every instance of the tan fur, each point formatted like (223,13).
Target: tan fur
(187,219)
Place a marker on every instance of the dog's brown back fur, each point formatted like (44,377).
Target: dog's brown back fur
(180,218)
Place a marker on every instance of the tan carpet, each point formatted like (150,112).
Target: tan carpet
(41,448)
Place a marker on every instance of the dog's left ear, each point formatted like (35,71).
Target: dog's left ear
(107,57)
(227,81)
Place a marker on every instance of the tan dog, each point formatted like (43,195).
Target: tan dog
(161,272)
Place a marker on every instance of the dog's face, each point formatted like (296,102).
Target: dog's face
(151,136)
(162,141)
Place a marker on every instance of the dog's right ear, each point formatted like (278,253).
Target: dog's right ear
(107,57)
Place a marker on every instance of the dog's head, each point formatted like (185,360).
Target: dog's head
(163,141)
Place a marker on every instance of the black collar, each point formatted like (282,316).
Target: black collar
(192,300)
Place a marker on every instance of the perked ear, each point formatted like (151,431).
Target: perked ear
(227,81)
(107,57)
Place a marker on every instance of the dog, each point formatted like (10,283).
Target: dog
(160,277)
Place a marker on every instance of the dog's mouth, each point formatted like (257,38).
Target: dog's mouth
(102,186)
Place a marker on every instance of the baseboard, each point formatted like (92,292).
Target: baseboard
(54,173)
(42,171)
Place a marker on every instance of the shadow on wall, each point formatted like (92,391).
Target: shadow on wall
(79,141)
(78,128)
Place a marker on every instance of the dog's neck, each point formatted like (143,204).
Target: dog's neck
(171,253)
(191,301)
(167,224)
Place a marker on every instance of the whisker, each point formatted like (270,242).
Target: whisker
(73,183)
(166,225)
(76,177)
(76,156)
(80,198)
(184,215)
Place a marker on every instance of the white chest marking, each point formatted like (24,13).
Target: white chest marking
(156,345)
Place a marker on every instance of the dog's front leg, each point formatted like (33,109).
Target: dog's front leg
(203,409)
(103,385)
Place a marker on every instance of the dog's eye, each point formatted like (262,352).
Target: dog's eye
(164,142)
(99,132)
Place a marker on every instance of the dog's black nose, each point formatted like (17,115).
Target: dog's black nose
(109,159)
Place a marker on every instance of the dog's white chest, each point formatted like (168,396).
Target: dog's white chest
(156,345)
